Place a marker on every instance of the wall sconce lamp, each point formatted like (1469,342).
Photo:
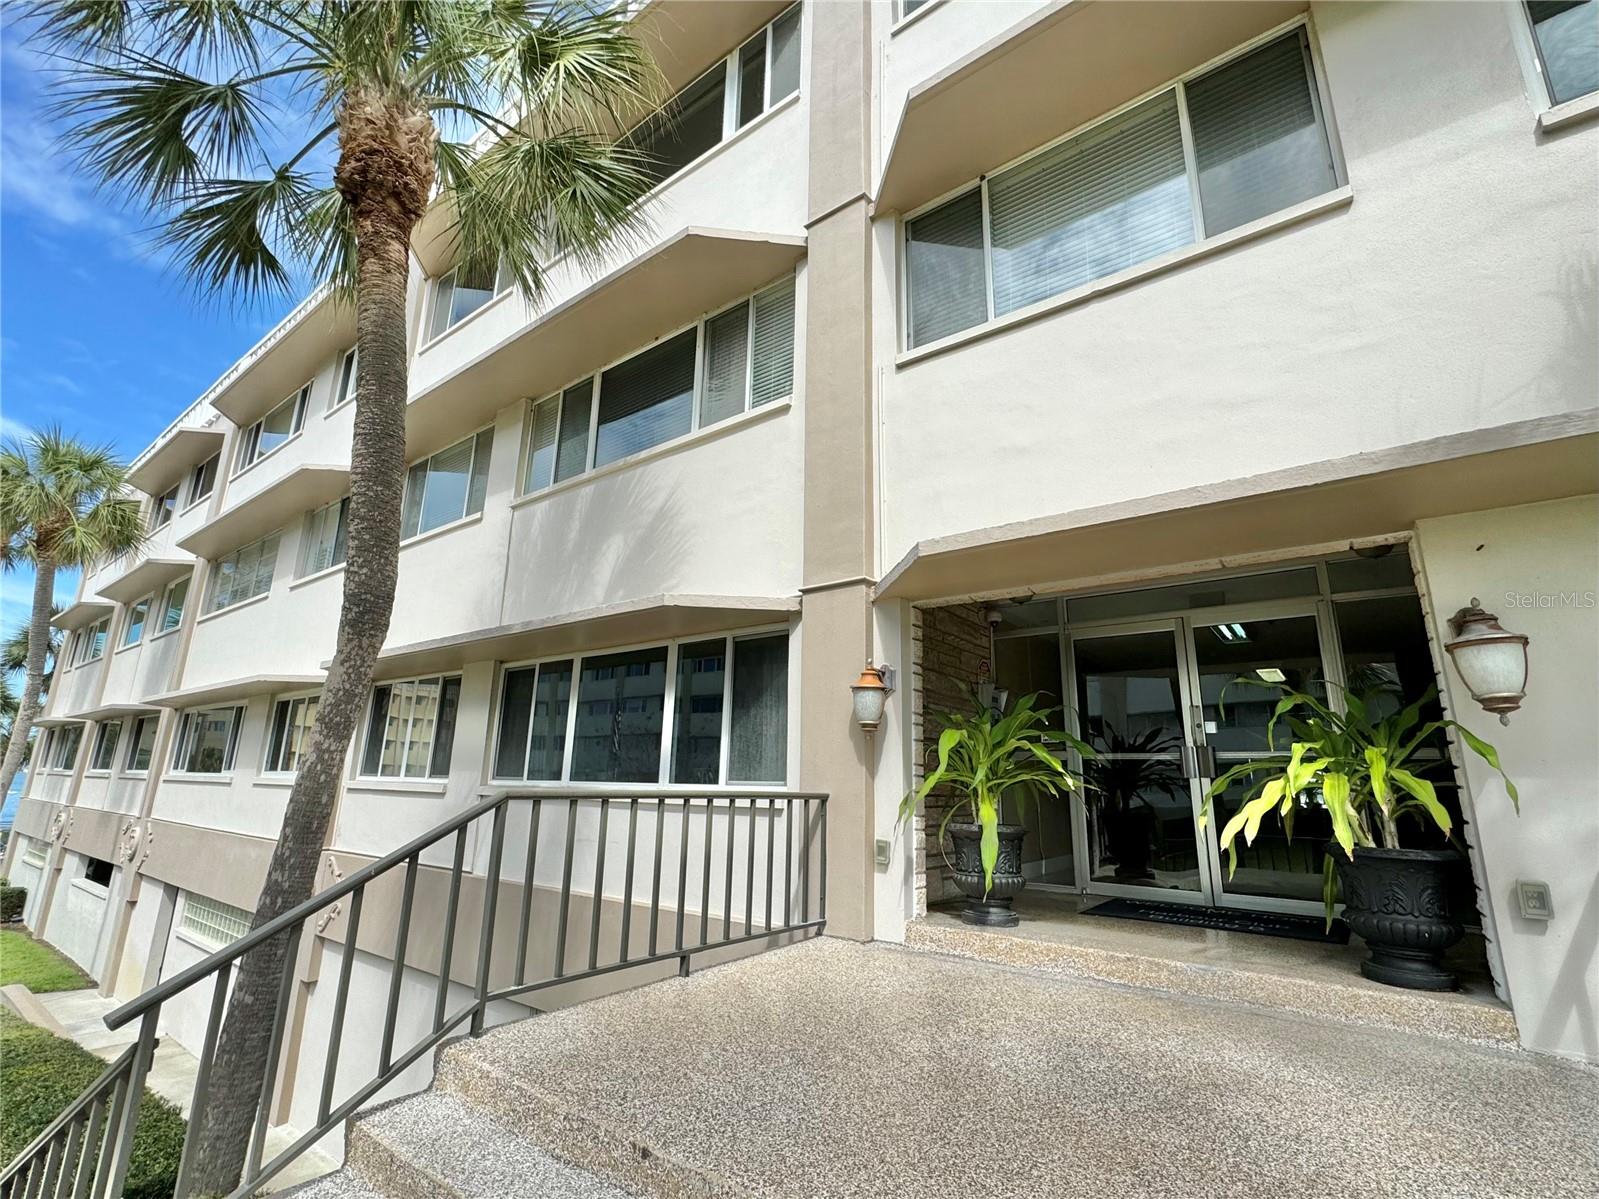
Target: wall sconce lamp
(1490,660)
(870,693)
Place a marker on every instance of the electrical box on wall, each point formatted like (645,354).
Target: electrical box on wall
(1534,900)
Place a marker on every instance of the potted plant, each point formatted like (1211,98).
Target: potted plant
(987,757)
(1368,777)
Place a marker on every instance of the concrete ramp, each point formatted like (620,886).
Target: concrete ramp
(830,1070)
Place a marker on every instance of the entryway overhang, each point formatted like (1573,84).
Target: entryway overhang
(227,691)
(693,272)
(300,491)
(286,358)
(145,577)
(166,463)
(1052,71)
(1359,498)
(663,617)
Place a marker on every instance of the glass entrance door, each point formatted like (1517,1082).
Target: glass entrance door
(1138,831)
(1276,647)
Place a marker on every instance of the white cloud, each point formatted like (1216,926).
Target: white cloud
(13,428)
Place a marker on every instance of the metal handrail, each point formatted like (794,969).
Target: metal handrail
(726,832)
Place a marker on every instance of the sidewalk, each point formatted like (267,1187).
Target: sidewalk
(81,1015)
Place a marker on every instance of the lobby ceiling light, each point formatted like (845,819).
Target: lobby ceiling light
(1230,633)
(1271,674)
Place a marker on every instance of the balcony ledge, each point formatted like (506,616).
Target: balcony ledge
(296,493)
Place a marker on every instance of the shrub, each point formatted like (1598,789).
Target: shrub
(40,1074)
(12,900)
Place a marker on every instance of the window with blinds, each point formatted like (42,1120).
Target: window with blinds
(733,361)
(323,545)
(244,574)
(1122,191)
(449,486)
(290,734)
(1567,36)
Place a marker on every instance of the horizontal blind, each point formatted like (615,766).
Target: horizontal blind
(1107,199)
(944,268)
(726,365)
(774,344)
(572,448)
(478,490)
(541,445)
(444,495)
(647,399)
(1259,144)
(786,54)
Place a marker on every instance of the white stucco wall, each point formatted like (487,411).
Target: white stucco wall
(1454,292)
(1537,568)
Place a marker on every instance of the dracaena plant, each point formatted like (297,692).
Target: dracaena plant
(986,758)
(1364,768)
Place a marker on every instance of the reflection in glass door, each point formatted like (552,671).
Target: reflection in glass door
(1140,808)
(1234,717)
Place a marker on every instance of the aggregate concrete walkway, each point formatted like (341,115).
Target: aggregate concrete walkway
(831,1069)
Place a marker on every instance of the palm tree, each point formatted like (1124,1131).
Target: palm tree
(14,658)
(505,115)
(65,506)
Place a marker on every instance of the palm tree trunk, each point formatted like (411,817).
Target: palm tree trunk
(385,173)
(44,582)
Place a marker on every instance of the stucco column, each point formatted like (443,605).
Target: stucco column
(838,559)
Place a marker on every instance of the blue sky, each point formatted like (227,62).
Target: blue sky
(97,334)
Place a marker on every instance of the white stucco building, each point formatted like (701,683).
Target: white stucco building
(1104,349)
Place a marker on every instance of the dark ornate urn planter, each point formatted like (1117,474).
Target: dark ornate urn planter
(995,910)
(1398,901)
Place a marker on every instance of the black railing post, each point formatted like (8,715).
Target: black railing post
(269,1079)
(491,899)
(566,889)
(441,993)
(402,935)
(202,1078)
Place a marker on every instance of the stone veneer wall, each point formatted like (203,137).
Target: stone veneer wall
(951,653)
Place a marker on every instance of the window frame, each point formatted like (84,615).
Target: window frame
(596,378)
(132,748)
(1537,64)
(181,749)
(268,767)
(408,538)
(101,749)
(187,583)
(663,780)
(366,730)
(502,284)
(163,508)
(129,639)
(197,476)
(344,391)
(216,575)
(66,742)
(84,651)
(249,452)
(1320,98)
(308,531)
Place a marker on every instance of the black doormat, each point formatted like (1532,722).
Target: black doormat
(1266,924)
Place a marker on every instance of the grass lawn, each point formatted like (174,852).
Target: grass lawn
(37,966)
(41,1074)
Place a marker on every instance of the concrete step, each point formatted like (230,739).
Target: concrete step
(628,1159)
(1168,964)
(436,1146)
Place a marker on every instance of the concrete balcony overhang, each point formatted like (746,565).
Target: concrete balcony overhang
(1052,71)
(168,461)
(229,690)
(685,38)
(56,722)
(295,494)
(115,712)
(632,621)
(84,612)
(146,577)
(693,272)
(1355,500)
(286,358)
